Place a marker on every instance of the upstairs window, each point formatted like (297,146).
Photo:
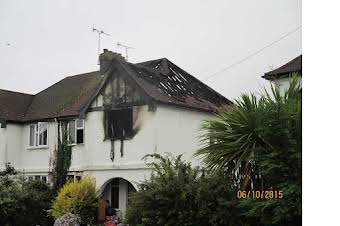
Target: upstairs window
(119,124)
(76,131)
(38,134)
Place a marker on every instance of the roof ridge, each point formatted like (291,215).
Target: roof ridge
(293,65)
(81,74)
(282,66)
(11,91)
(63,80)
(149,61)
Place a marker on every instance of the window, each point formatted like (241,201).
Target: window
(37,177)
(44,178)
(42,132)
(119,124)
(70,178)
(76,131)
(73,177)
(38,134)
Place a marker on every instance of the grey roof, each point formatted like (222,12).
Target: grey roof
(13,105)
(163,81)
(169,84)
(64,98)
(294,65)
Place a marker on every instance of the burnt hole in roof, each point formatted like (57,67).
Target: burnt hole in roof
(163,85)
(180,86)
(176,78)
(178,74)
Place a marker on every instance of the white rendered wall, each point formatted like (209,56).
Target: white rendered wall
(38,160)
(168,129)
(10,145)
(2,148)
(284,83)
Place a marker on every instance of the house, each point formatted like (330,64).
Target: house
(114,117)
(281,75)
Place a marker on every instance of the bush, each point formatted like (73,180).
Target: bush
(23,202)
(258,144)
(79,197)
(178,194)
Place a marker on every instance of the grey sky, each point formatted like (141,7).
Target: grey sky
(50,40)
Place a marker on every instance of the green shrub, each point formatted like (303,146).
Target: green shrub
(178,194)
(258,142)
(63,157)
(79,197)
(23,202)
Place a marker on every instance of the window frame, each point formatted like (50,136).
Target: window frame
(38,177)
(76,128)
(74,177)
(36,135)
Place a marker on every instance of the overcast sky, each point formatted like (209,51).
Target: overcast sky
(49,40)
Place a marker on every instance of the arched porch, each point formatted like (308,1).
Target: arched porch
(118,192)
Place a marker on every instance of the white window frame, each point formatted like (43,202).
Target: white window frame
(73,177)
(36,135)
(37,177)
(76,128)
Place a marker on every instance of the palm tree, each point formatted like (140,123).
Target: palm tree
(242,139)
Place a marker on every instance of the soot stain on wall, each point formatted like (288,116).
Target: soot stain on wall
(120,125)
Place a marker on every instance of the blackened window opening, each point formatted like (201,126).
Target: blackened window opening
(80,136)
(120,123)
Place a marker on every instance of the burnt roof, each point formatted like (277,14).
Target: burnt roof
(169,84)
(294,65)
(163,81)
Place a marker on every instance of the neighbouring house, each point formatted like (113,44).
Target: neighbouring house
(281,75)
(114,116)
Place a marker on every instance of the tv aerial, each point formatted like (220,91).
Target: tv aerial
(126,49)
(7,44)
(99,32)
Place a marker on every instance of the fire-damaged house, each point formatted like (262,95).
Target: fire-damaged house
(114,117)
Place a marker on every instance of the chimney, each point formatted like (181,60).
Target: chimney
(107,57)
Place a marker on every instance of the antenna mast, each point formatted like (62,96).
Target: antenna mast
(99,32)
(126,49)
